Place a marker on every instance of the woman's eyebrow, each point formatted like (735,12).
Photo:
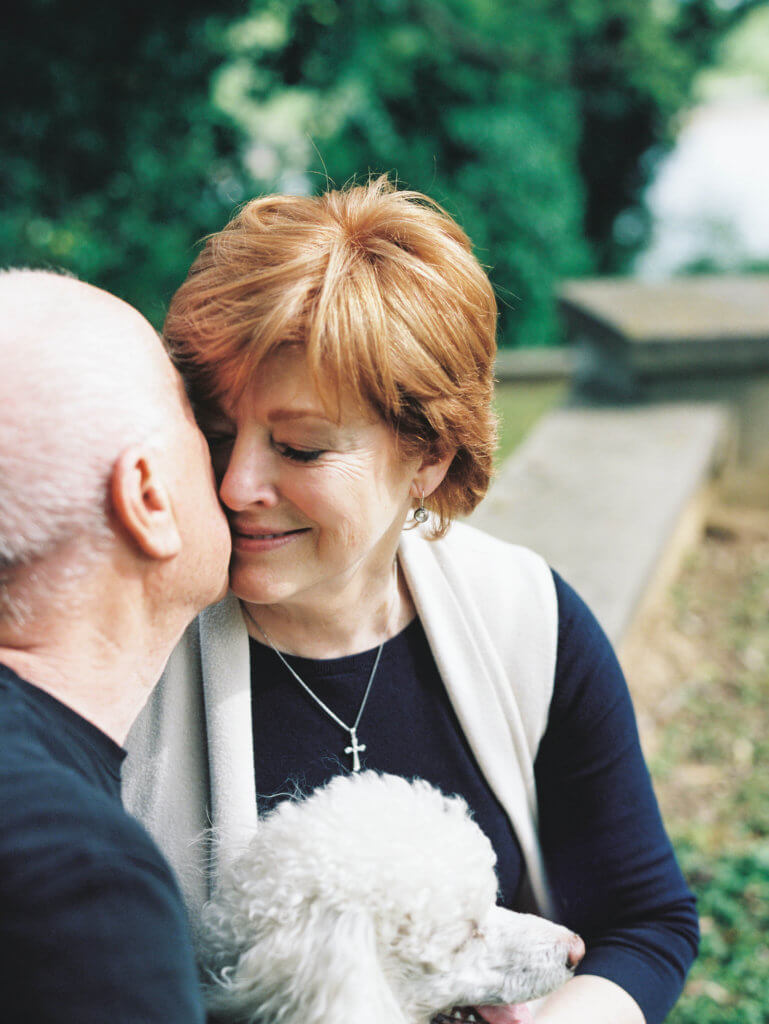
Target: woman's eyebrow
(279,415)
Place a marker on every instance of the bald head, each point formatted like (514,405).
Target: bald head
(83,377)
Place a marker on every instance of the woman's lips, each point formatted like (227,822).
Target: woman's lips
(250,539)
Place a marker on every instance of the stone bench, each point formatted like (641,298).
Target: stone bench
(610,497)
(638,338)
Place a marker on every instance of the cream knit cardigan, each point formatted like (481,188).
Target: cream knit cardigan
(489,611)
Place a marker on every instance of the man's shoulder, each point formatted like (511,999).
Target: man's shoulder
(28,772)
(60,798)
(92,917)
(54,815)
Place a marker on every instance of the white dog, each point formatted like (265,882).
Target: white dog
(374,901)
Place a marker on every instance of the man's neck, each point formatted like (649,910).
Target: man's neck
(106,683)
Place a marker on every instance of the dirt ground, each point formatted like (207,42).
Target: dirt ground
(697,664)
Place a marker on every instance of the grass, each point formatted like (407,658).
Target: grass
(519,406)
(729,984)
(709,708)
(709,761)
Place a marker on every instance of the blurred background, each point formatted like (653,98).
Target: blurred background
(568,137)
(574,140)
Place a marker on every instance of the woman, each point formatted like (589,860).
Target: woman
(339,351)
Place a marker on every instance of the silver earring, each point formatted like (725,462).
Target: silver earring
(421,514)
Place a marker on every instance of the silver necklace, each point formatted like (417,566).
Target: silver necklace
(355,748)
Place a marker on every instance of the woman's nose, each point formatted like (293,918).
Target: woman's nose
(248,479)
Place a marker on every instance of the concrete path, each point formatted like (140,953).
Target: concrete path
(601,493)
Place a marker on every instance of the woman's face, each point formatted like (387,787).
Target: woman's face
(315,506)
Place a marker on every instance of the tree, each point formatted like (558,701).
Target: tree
(454,100)
(537,123)
(114,160)
(633,67)
(129,133)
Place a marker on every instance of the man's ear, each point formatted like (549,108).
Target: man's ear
(142,503)
(430,475)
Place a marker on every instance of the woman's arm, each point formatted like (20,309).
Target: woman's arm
(612,871)
(590,1000)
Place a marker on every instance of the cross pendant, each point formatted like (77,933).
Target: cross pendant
(354,749)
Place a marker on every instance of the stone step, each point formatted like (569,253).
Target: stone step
(628,335)
(606,493)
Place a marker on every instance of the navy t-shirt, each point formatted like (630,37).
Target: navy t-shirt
(612,870)
(92,926)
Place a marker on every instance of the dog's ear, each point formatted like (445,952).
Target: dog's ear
(325,972)
(354,987)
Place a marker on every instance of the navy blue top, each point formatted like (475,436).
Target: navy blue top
(611,867)
(92,926)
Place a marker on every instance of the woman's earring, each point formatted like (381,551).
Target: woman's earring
(421,514)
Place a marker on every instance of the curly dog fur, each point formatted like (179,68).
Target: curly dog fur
(372,900)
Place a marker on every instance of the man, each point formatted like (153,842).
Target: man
(111,540)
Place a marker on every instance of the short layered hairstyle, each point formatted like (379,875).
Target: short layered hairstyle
(381,289)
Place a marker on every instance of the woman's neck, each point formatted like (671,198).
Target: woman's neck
(357,618)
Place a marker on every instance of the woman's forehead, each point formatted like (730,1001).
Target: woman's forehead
(283,388)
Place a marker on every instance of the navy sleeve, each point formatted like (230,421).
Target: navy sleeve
(611,866)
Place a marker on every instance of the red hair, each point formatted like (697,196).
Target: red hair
(382,291)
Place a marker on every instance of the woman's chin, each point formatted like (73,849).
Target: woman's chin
(250,594)
(259,586)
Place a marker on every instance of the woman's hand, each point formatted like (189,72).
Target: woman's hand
(588,1000)
(507,1014)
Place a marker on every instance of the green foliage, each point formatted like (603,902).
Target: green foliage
(531,122)
(729,983)
(114,160)
(519,405)
(719,736)
(741,58)
(631,74)
(131,132)
(448,98)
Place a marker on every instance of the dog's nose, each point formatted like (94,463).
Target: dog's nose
(575,952)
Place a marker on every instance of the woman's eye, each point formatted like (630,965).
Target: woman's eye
(299,454)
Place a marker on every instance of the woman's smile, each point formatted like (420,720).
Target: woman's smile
(262,539)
